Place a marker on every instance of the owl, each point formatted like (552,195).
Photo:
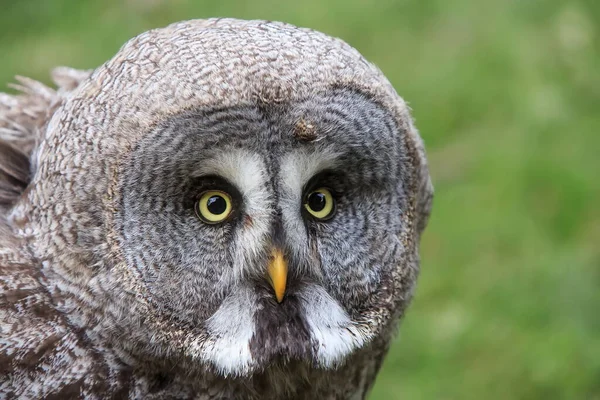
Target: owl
(225,209)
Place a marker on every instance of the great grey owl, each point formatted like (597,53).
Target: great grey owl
(225,209)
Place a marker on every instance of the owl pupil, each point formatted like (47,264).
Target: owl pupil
(216,205)
(317,201)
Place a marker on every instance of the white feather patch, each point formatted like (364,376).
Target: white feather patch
(231,329)
(297,168)
(332,331)
(248,173)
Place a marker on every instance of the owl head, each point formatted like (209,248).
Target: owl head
(230,195)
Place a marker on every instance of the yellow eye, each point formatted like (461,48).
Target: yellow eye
(214,206)
(320,204)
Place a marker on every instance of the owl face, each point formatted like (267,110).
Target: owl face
(231,195)
(273,229)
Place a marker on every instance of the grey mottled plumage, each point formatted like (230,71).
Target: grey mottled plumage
(110,286)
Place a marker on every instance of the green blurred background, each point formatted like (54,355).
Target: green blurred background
(506,95)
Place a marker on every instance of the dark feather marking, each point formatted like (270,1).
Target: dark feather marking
(280,330)
(70,391)
(305,131)
(14,174)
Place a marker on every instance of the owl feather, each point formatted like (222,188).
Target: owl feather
(115,282)
(23,117)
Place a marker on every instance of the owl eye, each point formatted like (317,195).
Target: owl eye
(214,206)
(320,204)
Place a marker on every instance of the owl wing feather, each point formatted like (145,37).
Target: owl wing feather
(23,118)
(41,356)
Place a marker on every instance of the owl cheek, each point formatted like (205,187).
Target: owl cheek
(334,335)
(353,279)
(230,330)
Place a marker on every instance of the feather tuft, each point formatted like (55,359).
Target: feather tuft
(23,119)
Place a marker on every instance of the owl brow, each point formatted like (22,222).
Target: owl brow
(212,181)
(331,178)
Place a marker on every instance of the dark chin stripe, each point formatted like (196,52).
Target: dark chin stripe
(281,334)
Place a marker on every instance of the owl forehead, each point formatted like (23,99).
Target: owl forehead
(221,62)
(249,144)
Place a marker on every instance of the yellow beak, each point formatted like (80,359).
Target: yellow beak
(278,274)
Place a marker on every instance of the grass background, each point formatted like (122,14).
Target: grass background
(506,95)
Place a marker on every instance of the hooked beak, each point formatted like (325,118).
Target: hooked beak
(278,273)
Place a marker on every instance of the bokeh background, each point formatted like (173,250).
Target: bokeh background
(506,94)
